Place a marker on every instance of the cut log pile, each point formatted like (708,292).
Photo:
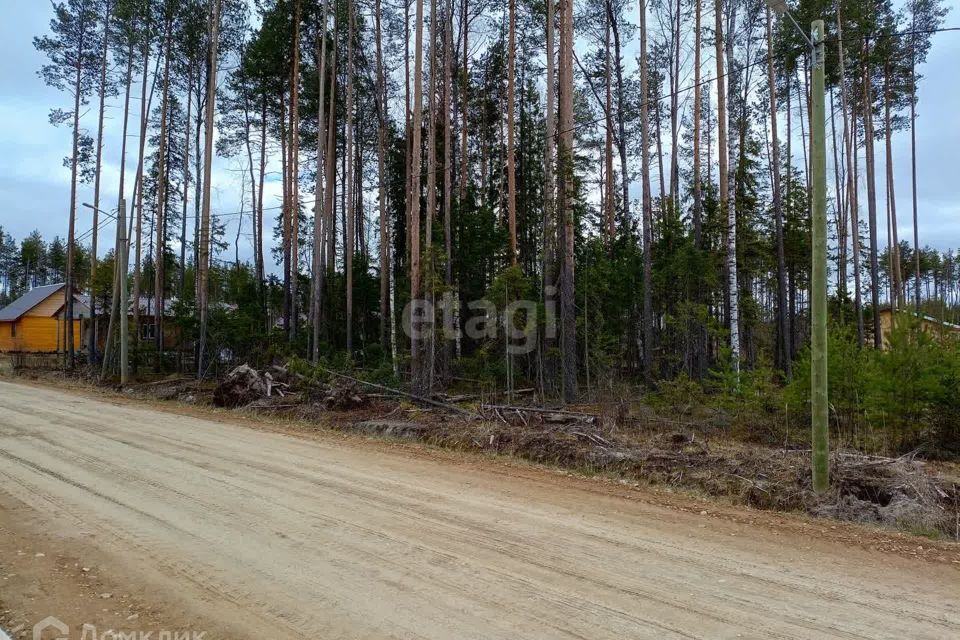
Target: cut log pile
(277,388)
(241,387)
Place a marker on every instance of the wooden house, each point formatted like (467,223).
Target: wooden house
(929,324)
(36,322)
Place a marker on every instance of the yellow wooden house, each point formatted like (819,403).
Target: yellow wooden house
(929,324)
(36,322)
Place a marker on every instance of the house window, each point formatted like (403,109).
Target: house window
(13,329)
(147,331)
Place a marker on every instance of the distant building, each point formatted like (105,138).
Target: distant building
(929,324)
(36,321)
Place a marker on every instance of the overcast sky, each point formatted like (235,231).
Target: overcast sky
(35,187)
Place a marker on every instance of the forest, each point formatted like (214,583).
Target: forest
(638,172)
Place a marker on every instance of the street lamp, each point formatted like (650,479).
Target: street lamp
(99,210)
(819,409)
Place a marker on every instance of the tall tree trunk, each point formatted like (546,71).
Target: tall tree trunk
(464,109)
(464,151)
(285,225)
(675,111)
(895,275)
(261,181)
(726,198)
(850,146)
(408,123)
(318,270)
(203,251)
(783,317)
(565,203)
(913,159)
(855,227)
(608,155)
(199,97)
(658,121)
(549,213)
(448,54)
(511,151)
(186,188)
(871,197)
(349,186)
(431,212)
(840,208)
(104,57)
(329,204)
(382,180)
(120,267)
(699,342)
(72,211)
(647,314)
(160,218)
(294,173)
(418,375)
(144,115)
(697,99)
(621,110)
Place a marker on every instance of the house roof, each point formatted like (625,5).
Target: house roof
(27,301)
(926,318)
(943,323)
(19,307)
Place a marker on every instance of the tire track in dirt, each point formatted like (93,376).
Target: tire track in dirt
(335,540)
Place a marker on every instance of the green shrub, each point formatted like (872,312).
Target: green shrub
(904,397)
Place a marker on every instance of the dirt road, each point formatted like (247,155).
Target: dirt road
(265,535)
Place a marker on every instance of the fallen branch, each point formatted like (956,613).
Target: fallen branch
(463,397)
(166,381)
(507,407)
(592,438)
(416,398)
